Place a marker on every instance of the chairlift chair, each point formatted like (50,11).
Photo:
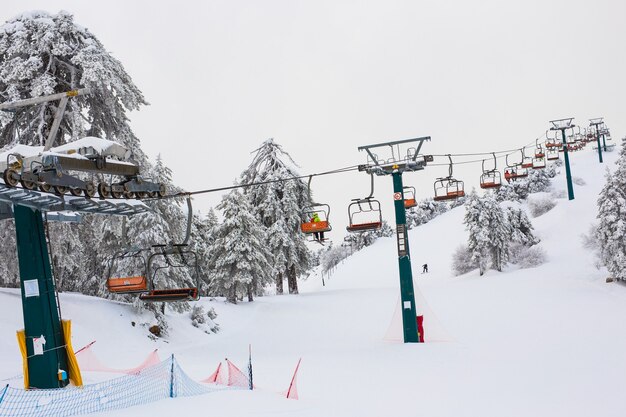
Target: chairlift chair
(448,188)
(527,161)
(539,152)
(308,226)
(514,171)
(364,214)
(127,283)
(170,258)
(539,163)
(409,197)
(553,155)
(491,178)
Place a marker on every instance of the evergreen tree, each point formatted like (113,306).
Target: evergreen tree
(43,54)
(278,206)
(612,228)
(239,254)
(520,227)
(489,232)
(476,222)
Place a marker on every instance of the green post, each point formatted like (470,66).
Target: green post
(568,172)
(599,144)
(39,303)
(407,293)
(603,140)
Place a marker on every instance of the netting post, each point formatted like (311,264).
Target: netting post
(4,392)
(172,378)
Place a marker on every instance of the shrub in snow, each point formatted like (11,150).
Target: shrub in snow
(462,261)
(578,181)
(204,320)
(333,257)
(541,204)
(527,257)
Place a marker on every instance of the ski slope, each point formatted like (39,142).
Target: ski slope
(545,341)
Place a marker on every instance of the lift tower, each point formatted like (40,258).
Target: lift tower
(597,123)
(396,166)
(563,125)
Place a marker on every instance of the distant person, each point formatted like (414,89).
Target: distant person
(425,269)
(319,236)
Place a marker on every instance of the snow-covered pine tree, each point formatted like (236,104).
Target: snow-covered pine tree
(499,232)
(239,254)
(612,219)
(425,211)
(202,241)
(477,223)
(520,226)
(488,232)
(278,206)
(42,53)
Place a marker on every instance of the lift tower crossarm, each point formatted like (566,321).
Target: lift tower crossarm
(563,125)
(397,163)
(58,116)
(44,99)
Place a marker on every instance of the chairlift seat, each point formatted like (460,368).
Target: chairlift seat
(539,155)
(410,203)
(127,285)
(176,294)
(451,195)
(491,184)
(315,227)
(362,227)
(527,165)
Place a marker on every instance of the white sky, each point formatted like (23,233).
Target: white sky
(324,77)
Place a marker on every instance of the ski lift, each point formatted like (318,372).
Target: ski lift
(169,259)
(539,163)
(315,210)
(409,197)
(527,161)
(514,170)
(551,142)
(491,178)
(539,153)
(449,188)
(127,283)
(308,226)
(553,155)
(364,214)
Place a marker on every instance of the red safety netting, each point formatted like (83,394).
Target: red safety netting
(236,378)
(216,377)
(292,392)
(88,361)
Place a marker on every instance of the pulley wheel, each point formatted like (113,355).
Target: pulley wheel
(45,187)
(103,190)
(60,189)
(90,190)
(76,192)
(10,177)
(29,185)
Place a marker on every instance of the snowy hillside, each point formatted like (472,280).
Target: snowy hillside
(544,341)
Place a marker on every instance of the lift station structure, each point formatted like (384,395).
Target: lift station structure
(45,352)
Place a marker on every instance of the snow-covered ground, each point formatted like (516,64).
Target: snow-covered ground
(545,341)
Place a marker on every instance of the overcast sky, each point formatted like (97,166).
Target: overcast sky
(324,77)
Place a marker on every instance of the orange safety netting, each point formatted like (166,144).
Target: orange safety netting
(88,361)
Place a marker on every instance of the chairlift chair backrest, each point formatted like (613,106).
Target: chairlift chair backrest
(131,259)
(170,258)
(364,214)
(409,196)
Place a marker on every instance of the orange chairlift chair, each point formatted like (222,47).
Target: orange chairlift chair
(130,259)
(167,262)
(409,197)
(490,178)
(308,226)
(364,214)
(514,170)
(448,188)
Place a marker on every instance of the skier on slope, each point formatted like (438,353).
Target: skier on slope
(425,269)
